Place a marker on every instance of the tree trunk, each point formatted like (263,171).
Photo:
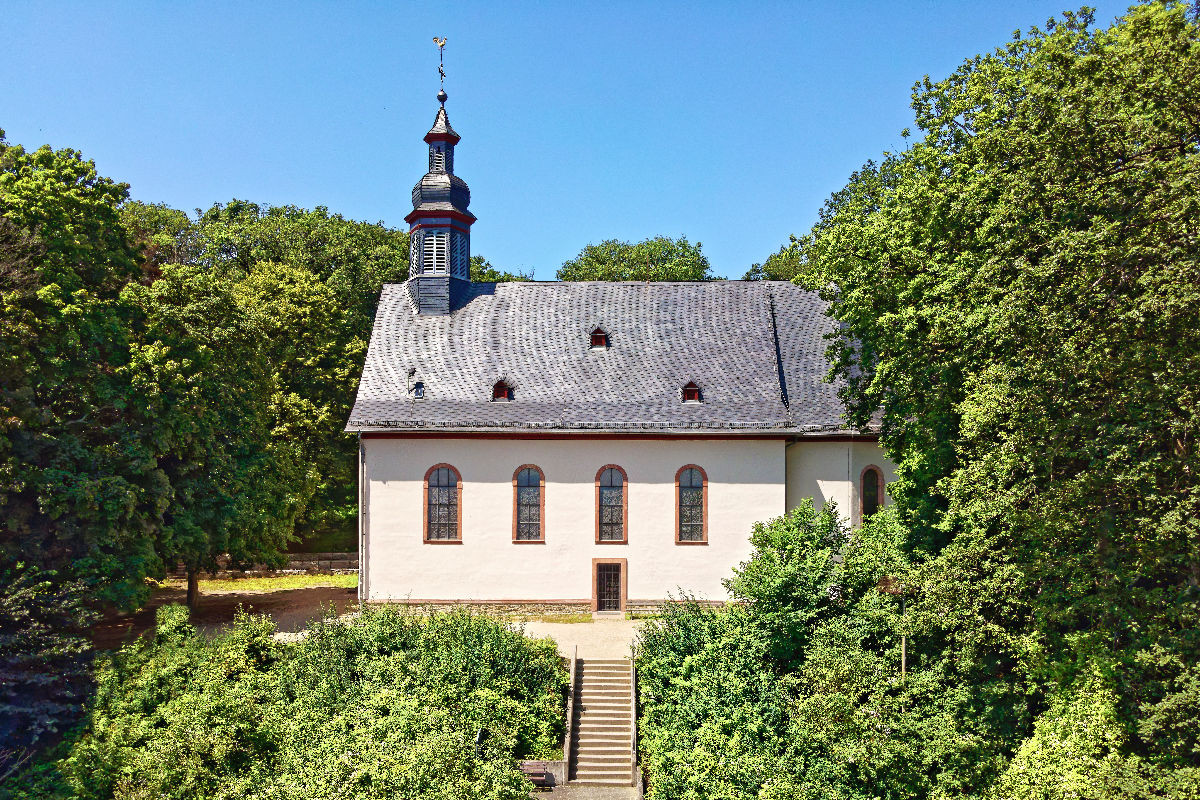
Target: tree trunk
(193,592)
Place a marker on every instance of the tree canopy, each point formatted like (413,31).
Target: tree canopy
(782,265)
(659,259)
(80,484)
(1019,292)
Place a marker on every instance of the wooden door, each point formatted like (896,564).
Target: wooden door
(608,587)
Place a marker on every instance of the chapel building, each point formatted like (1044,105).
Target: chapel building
(592,445)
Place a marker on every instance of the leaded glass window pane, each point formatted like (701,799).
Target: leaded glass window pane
(529,505)
(691,505)
(612,506)
(870,492)
(442,511)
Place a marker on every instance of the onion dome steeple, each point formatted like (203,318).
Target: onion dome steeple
(439,224)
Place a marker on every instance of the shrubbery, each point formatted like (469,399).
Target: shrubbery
(796,691)
(788,693)
(387,706)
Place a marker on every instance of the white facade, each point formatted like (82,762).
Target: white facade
(748,480)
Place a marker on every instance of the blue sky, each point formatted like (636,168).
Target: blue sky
(729,123)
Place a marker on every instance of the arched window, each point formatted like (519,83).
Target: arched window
(611,505)
(691,393)
(599,339)
(872,491)
(691,505)
(529,504)
(502,391)
(443,505)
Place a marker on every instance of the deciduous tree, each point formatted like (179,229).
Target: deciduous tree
(659,259)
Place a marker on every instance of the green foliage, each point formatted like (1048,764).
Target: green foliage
(353,258)
(309,280)
(201,371)
(659,259)
(1019,292)
(80,487)
(152,411)
(792,579)
(482,271)
(387,705)
(785,264)
(45,662)
(790,692)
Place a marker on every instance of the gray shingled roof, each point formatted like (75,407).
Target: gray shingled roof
(441,125)
(535,336)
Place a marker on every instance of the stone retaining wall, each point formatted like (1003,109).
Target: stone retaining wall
(498,609)
(297,564)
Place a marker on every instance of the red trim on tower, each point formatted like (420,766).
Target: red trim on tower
(417,213)
(435,225)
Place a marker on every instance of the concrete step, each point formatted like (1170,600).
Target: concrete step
(614,729)
(595,739)
(603,760)
(595,718)
(604,778)
(606,686)
(618,752)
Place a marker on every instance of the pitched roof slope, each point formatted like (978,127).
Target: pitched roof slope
(755,349)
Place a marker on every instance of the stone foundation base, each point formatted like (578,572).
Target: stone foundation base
(510,608)
(297,564)
(499,609)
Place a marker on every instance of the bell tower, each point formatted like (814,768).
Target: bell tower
(439,255)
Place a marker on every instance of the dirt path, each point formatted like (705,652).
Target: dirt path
(292,610)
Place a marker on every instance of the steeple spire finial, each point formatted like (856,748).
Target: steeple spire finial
(441,43)
(439,254)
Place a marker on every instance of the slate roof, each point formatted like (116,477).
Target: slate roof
(441,128)
(755,348)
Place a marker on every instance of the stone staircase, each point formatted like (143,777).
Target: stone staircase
(602,738)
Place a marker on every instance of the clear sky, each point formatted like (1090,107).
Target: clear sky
(729,123)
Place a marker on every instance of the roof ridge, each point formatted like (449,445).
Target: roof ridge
(783,392)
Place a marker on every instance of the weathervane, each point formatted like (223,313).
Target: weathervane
(441,43)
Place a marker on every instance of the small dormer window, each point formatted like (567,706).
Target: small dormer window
(501,391)
(691,393)
(599,339)
(418,390)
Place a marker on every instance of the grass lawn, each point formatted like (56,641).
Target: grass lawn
(275,584)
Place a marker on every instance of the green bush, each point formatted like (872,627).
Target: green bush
(784,694)
(386,706)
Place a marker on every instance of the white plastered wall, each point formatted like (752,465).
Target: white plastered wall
(746,483)
(830,472)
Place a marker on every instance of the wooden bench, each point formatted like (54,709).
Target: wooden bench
(540,778)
